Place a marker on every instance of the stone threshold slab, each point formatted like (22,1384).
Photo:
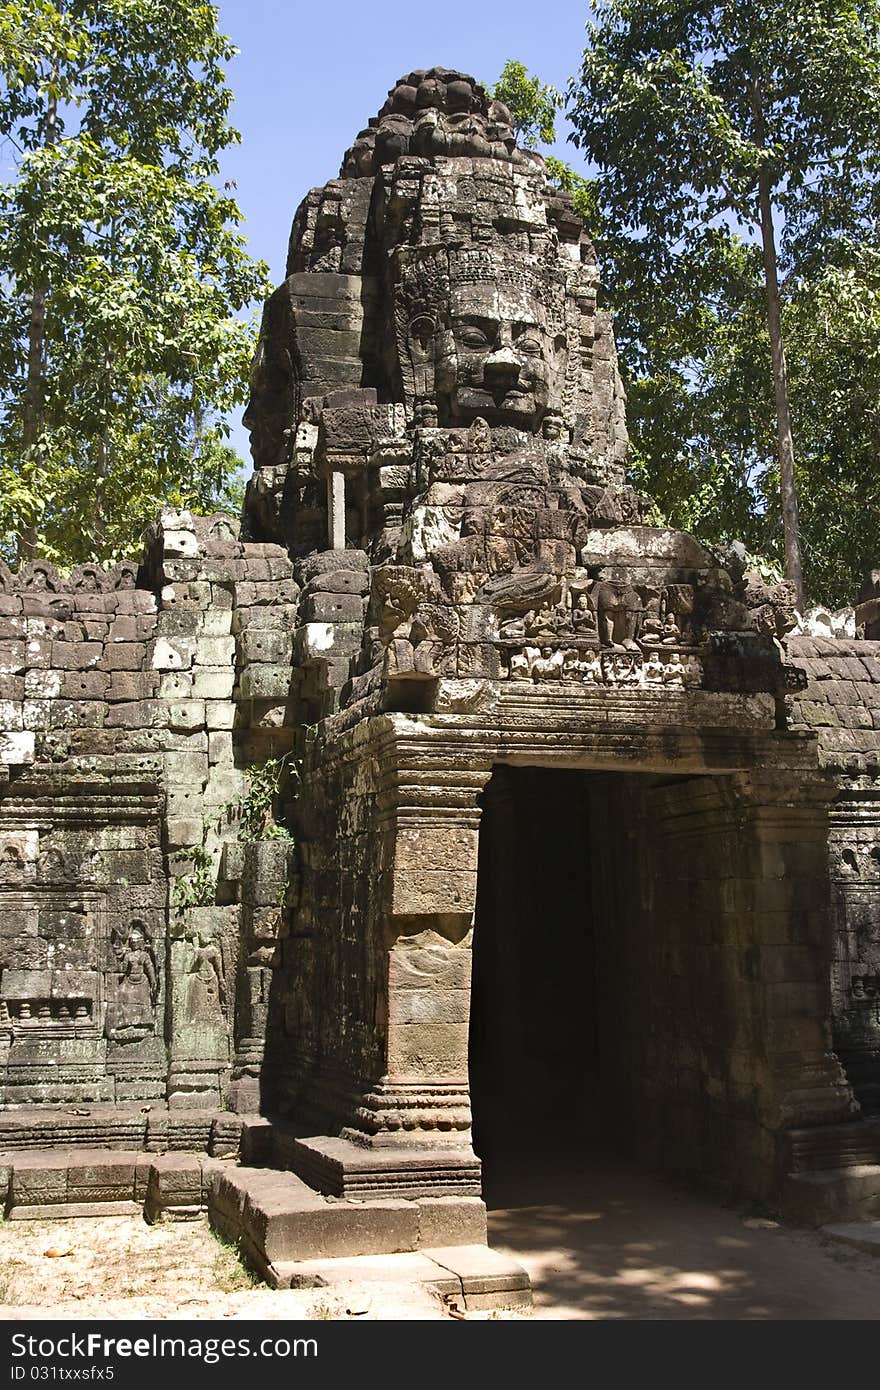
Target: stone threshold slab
(65,1211)
(475,1276)
(861,1235)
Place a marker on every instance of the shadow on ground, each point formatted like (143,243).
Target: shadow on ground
(604,1239)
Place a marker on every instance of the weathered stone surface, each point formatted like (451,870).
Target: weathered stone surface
(258,790)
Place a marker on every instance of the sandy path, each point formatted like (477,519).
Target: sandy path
(611,1242)
(615,1242)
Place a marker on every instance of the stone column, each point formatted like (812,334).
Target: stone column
(202,956)
(785,836)
(336,509)
(855,955)
(428,815)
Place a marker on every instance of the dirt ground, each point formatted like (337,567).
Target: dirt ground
(119,1267)
(611,1243)
(616,1242)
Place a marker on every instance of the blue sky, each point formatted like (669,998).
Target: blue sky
(308,76)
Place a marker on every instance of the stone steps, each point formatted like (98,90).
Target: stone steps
(41,1185)
(832,1194)
(339,1168)
(155,1127)
(279,1224)
(861,1235)
(471,1277)
(274,1219)
(853,1144)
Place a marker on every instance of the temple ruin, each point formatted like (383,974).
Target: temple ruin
(444,805)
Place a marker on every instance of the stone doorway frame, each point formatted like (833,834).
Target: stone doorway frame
(408,789)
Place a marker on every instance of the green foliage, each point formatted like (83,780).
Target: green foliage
(197,888)
(228,1270)
(532,104)
(116,113)
(687,110)
(257,810)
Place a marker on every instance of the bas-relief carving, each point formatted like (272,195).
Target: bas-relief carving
(473,419)
(131,1012)
(438,431)
(205,985)
(854,864)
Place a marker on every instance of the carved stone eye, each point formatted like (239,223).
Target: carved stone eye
(530,343)
(472,336)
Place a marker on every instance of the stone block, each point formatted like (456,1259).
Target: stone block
(215,651)
(452,1221)
(224,785)
(340,582)
(12,687)
(249,593)
(132,685)
(187,767)
(429,1006)
(172,654)
(326,561)
(489,1279)
(179,544)
(433,891)
(428,1050)
(220,748)
(44,685)
(265,645)
(13,658)
(280,618)
(327,641)
(10,715)
(39,1179)
(332,608)
(217,622)
(124,656)
(176,685)
(213,682)
(76,656)
(37,714)
(184,831)
(138,714)
(450,848)
(16,749)
(174,1188)
(265,682)
(219,714)
(39,652)
(185,716)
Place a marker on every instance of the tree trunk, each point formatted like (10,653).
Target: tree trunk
(784,437)
(102,466)
(28,536)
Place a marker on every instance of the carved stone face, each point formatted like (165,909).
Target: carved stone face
(494,359)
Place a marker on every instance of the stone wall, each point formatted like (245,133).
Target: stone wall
(131,700)
(840,705)
(240,822)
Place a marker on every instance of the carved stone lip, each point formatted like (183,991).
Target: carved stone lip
(497,407)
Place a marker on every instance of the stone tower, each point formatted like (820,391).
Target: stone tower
(445,799)
(439,439)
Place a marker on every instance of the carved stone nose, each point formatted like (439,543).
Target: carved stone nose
(501,368)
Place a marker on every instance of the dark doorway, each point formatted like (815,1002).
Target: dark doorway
(534,1053)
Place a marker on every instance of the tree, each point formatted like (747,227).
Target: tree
(719,128)
(533,105)
(120,345)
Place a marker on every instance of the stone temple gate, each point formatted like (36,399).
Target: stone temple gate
(515,721)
